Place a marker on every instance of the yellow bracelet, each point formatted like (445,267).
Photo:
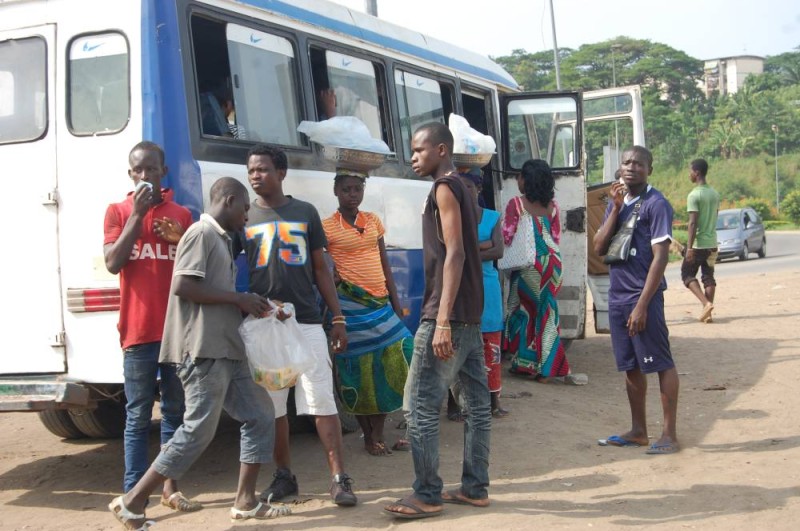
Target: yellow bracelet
(443,327)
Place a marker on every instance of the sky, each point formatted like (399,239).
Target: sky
(704,29)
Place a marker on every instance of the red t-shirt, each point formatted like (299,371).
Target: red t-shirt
(144,281)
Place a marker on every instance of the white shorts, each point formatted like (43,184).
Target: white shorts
(313,393)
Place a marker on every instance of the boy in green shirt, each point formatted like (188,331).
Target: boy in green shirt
(701,244)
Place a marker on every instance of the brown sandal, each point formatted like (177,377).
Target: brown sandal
(178,502)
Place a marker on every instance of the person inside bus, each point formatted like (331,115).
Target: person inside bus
(201,339)
(284,243)
(141,237)
(326,103)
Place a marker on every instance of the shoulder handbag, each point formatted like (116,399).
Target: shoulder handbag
(620,247)
(521,252)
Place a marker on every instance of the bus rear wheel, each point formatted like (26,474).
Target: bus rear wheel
(106,421)
(59,423)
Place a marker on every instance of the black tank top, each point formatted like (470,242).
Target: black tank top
(468,306)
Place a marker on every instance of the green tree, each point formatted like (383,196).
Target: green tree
(533,71)
(785,66)
(790,206)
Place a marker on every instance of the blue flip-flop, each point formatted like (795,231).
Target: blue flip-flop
(616,440)
(663,449)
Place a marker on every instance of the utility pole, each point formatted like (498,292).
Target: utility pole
(777,190)
(615,47)
(555,46)
(371,7)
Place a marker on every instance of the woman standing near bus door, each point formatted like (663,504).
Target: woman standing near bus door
(371,374)
(532,331)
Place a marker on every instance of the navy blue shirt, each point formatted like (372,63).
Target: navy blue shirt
(654,226)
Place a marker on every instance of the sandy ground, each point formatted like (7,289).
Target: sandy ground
(738,423)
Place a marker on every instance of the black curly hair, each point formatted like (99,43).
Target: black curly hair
(538,182)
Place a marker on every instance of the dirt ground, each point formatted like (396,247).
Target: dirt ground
(738,424)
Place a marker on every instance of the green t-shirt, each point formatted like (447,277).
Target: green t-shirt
(705,201)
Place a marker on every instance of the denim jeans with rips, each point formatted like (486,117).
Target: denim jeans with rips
(141,370)
(426,389)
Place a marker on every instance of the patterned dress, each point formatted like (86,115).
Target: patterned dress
(532,329)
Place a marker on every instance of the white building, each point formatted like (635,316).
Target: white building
(726,75)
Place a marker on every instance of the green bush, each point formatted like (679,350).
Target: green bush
(777,224)
(759,204)
(790,206)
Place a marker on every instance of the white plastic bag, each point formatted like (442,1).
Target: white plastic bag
(343,131)
(468,140)
(277,351)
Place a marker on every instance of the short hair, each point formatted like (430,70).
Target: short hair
(538,181)
(642,151)
(700,166)
(438,133)
(146,145)
(277,155)
(225,187)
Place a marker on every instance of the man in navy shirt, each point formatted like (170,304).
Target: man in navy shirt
(639,334)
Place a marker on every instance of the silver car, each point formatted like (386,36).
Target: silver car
(740,232)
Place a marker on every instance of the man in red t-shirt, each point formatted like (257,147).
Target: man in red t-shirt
(141,238)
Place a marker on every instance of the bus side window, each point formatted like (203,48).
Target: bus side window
(420,100)
(345,85)
(246,83)
(23,98)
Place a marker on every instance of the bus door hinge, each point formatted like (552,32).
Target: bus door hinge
(576,219)
(59,339)
(51,198)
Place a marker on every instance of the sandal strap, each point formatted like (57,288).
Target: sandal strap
(122,513)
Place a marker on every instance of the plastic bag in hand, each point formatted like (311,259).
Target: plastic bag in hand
(277,351)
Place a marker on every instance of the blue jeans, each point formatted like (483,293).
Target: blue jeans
(426,388)
(141,369)
(212,385)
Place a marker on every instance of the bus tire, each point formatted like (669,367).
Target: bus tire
(59,423)
(106,421)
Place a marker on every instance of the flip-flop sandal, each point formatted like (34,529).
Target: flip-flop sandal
(663,449)
(123,515)
(402,445)
(616,440)
(455,417)
(273,511)
(416,515)
(456,497)
(499,412)
(178,502)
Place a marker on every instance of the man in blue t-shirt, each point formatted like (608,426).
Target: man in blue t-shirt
(639,334)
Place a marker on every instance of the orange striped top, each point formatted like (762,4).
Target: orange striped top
(355,253)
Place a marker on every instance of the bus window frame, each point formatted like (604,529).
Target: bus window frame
(314,41)
(47,88)
(68,77)
(455,93)
(225,149)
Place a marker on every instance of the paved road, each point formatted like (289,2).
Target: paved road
(783,252)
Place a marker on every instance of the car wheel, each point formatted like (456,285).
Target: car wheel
(763,251)
(745,252)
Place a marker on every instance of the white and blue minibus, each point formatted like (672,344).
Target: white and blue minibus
(83,81)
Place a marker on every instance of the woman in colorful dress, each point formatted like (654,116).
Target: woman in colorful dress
(532,330)
(371,374)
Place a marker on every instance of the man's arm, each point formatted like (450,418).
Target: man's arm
(638,317)
(602,238)
(494,249)
(324,281)
(450,217)
(198,291)
(692,233)
(118,253)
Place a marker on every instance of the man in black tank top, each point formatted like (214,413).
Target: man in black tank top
(448,343)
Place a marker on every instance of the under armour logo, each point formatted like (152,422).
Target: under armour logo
(648,360)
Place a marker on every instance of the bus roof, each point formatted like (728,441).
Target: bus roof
(367,28)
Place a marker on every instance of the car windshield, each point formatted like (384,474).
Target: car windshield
(727,221)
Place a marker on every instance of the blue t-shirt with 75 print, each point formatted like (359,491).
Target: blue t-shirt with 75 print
(654,226)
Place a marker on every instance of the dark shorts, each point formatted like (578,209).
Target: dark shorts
(704,260)
(648,350)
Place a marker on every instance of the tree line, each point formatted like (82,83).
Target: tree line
(681,123)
